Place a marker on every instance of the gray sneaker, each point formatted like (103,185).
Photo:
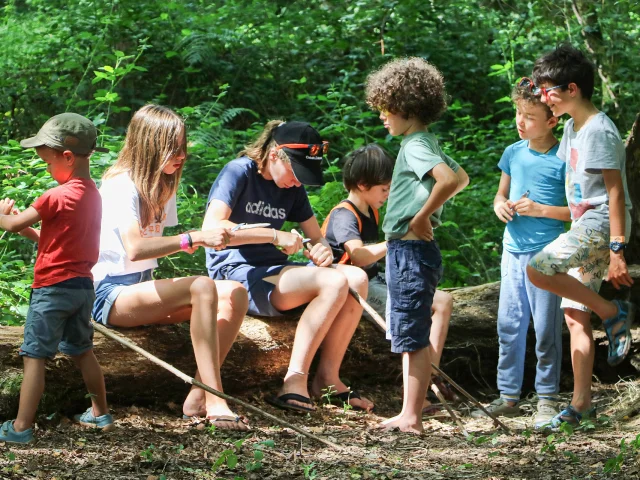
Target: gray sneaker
(547,409)
(500,408)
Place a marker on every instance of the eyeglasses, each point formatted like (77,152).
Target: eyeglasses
(526,82)
(314,148)
(545,91)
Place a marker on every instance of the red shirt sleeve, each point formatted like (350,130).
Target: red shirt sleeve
(48,204)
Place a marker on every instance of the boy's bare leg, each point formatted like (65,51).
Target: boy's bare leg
(582,356)
(441,314)
(30,393)
(416,373)
(93,378)
(566,286)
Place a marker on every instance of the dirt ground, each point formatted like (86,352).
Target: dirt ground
(157,444)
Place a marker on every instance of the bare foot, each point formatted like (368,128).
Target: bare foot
(194,404)
(403,424)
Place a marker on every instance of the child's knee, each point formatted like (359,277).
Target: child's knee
(443,304)
(204,288)
(239,297)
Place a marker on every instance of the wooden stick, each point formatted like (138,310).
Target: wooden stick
(471,398)
(118,338)
(381,324)
(438,393)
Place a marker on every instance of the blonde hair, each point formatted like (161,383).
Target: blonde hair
(155,135)
(258,151)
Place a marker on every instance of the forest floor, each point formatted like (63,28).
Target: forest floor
(156,444)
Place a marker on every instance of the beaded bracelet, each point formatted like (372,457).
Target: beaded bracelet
(185,241)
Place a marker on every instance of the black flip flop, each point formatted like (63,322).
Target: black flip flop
(281,402)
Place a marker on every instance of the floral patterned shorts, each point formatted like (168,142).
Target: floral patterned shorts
(583,253)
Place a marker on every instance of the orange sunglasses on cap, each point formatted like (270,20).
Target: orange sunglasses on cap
(314,148)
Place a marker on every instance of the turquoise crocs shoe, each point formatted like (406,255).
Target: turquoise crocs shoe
(103,422)
(620,341)
(8,434)
(571,416)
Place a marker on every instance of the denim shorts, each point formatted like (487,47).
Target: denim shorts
(59,318)
(414,268)
(252,278)
(110,287)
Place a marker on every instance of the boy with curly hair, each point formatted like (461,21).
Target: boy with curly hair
(409,93)
(574,265)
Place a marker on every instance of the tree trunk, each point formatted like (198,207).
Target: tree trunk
(633,183)
(259,359)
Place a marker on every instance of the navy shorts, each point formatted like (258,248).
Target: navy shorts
(110,287)
(59,318)
(413,270)
(252,278)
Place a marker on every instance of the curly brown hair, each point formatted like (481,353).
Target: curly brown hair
(411,87)
(524,94)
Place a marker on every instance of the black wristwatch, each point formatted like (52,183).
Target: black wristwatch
(615,247)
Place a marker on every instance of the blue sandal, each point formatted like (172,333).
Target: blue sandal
(571,416)
(620,341)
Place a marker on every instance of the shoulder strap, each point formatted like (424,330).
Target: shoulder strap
(343,204)
(345,259)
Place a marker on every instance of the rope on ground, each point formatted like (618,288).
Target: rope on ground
(127,343)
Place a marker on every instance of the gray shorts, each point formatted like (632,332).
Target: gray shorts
(59,318)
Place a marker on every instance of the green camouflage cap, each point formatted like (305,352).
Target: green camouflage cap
(66,131)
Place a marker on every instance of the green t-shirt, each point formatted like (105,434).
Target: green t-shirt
(411,183)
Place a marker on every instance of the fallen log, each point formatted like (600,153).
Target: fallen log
(258,360)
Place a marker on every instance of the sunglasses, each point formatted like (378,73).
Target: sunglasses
(526,82)
(314,148)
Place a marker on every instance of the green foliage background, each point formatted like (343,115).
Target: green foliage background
(228,67)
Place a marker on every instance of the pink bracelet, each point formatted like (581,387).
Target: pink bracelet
(185,241)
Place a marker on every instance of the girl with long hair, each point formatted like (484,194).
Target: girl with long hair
(139,200)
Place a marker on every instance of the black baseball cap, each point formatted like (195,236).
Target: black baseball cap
(306,162)
(66,131)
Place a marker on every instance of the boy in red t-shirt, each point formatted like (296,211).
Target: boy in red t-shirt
(62,295)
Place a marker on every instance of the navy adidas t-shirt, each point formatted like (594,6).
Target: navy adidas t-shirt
(254,199)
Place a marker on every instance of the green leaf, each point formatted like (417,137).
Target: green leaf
(170,54)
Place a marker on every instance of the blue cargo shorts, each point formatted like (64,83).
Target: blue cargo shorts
(59,318)
(414,268)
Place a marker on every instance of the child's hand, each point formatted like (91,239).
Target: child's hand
(6,206)
(216,238)
(320,255)
(504,211)
(422,228)
(289,243)
(618,272)
(527,207)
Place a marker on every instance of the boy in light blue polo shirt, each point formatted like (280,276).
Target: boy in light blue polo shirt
(530,200)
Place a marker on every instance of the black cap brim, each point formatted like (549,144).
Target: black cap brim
(308,172)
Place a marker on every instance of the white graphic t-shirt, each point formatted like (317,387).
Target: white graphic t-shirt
(595,147)
(120,207)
